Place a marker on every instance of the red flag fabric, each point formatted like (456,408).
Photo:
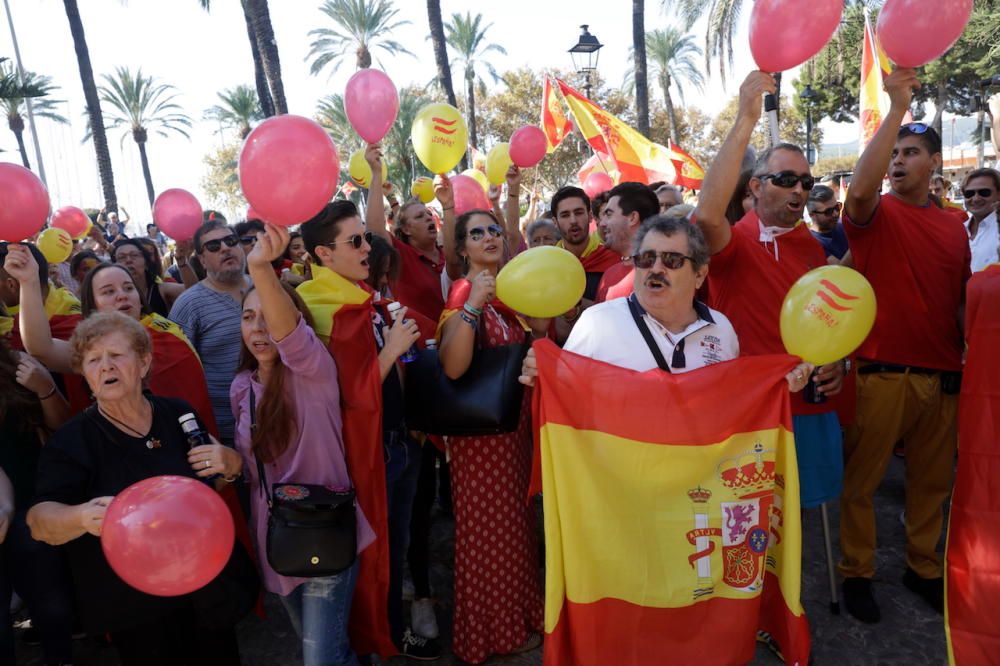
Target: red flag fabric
(554,123)
(689,173)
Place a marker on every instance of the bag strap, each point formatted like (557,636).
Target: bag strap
(635,309)
(253,429)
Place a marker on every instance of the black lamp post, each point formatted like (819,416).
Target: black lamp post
(808,97)
(585,54)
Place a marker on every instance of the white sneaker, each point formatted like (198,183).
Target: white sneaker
(422,618)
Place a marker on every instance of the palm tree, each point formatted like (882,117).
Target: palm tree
(258,18)
(723,19)
(330,114)
(440,50)
(399,151)
(12,99)
(466,36)
(96,119)
(672,55)
(240,108)
(260,76)
(639,59)
(140,104)
(362,25)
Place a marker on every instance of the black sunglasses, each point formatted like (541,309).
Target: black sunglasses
(214,246)
(671,260)
(248,240)
(787,179)
(477,233)
(985,193)
(832,210)
(356,241)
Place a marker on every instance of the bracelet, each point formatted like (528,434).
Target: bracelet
(469,320)
(475,312)
(444,208)
(49,394)
(230,479)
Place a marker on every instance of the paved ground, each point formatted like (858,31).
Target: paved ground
(910,633)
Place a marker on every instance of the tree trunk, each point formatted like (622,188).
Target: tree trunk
(639,49)
(150,192)
(98,136)
(470,95)
(16,124)
(260,77)
(939,103)
(261,19)
(440,50)
(668,101)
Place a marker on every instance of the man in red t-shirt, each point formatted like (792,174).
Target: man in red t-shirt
(629,205)
(916,257)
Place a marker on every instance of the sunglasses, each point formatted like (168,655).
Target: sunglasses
(832,210)
(214,246)
(248,240)
(478,233)
(985,193)
(787,179)
(915,128)
(671,260)
(355,241)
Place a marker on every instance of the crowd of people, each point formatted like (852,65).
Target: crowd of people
(291,348)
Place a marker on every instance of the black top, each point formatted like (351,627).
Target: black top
(89,457)
(156,301)
(19,451)
(393,408)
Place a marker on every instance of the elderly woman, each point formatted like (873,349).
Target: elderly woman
(142,264)
(498,588)
(127,436)
(542,232)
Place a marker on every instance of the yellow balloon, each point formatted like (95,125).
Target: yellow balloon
(90,225)
(827,314)
(479,177)
(423,189)
(55,244)
(439,137)
(544,281)
(359,170)
(497,162)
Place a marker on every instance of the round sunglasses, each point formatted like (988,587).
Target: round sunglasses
(355,241)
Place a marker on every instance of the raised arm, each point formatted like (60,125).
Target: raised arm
(512,222)
(32,320)
(866,183)
(124,218)
(182,257)
(279,310)
(724,174)
(375,214)
(446,196)
(458,336)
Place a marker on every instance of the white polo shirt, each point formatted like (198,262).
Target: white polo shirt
(607,332)
(986,245)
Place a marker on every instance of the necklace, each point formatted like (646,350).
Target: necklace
(151,442)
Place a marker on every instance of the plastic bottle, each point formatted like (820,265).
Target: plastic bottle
(410,354)
(195,435)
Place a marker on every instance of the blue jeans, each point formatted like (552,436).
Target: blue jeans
(402,469)
(319,610)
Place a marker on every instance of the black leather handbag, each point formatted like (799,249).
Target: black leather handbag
(311,529)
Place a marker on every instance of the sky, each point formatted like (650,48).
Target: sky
(202,53)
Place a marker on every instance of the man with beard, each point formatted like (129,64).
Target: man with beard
(916,257)
(210,313)
(629,205)
(981,189)
(571,212)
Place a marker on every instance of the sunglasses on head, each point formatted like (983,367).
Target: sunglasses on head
(355,241)
(832,210)
(985,193)
(671,260)
(915,128)
(478,233)
(214,246)
(787,179)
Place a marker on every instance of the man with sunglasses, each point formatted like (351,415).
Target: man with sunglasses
(210,313)
(916,256)
(981,189)
(824,211)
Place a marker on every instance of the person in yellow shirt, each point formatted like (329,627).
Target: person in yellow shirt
(61,306)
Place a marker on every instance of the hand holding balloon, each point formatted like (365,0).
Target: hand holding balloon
(900,86)
(756,85)
(443,192)
(91,514)
(484,288)
(20,264)
(270,245)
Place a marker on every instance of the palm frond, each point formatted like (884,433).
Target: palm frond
(139,102)
(358,24)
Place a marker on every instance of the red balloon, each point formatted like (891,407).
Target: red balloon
(469,194)
(527,146)
(784,34)
(167,535)
(177,213)
(915,32)
(25,203)
(371,103)
(288,169)
(596,183)
(72,220)
(252,214)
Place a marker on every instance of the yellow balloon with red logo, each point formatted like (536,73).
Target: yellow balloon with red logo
(827,314)
(55,244)
(497,162)
(423,189)
(361,171)
(545,281)
(479,177)
(439,137)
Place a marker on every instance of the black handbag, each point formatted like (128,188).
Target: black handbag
(486,400)
(312,530)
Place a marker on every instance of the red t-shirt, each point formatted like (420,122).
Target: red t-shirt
(917,259)
(419,283)
(616,282)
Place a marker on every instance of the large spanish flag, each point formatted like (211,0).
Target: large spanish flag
(972,574)
(671,512)
(554,122)
(874,102)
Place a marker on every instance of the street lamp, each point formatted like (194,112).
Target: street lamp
(585,54)
(808,97)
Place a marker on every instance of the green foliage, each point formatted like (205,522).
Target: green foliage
(361,26)
(792,128)
(13,93)
(239,109)
(139,104)
(221,181)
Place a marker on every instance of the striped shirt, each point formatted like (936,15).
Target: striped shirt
(211,321)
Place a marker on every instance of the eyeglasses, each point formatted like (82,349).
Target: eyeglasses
(356,241)
(787,179)
(248,240)
(985,193)
(478,233)
(671,260)
(214,246)
(915,128)
(832,210)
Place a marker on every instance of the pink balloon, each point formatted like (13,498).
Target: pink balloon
(24,203)
(371,103)
(469,194)
(177,213)
(252,214)
(784,34)
(71,219)
(527,146)
(915,32)
(167,535)
(596,183)
(288,169)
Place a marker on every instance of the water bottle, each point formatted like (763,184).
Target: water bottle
(810,394)
(411,353)
(195,435)
(431,344)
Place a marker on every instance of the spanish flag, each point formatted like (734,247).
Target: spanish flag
(342,315)
(554,123)
(972,572)
(689,172)
(671,512)
(63,310)
(875,66)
